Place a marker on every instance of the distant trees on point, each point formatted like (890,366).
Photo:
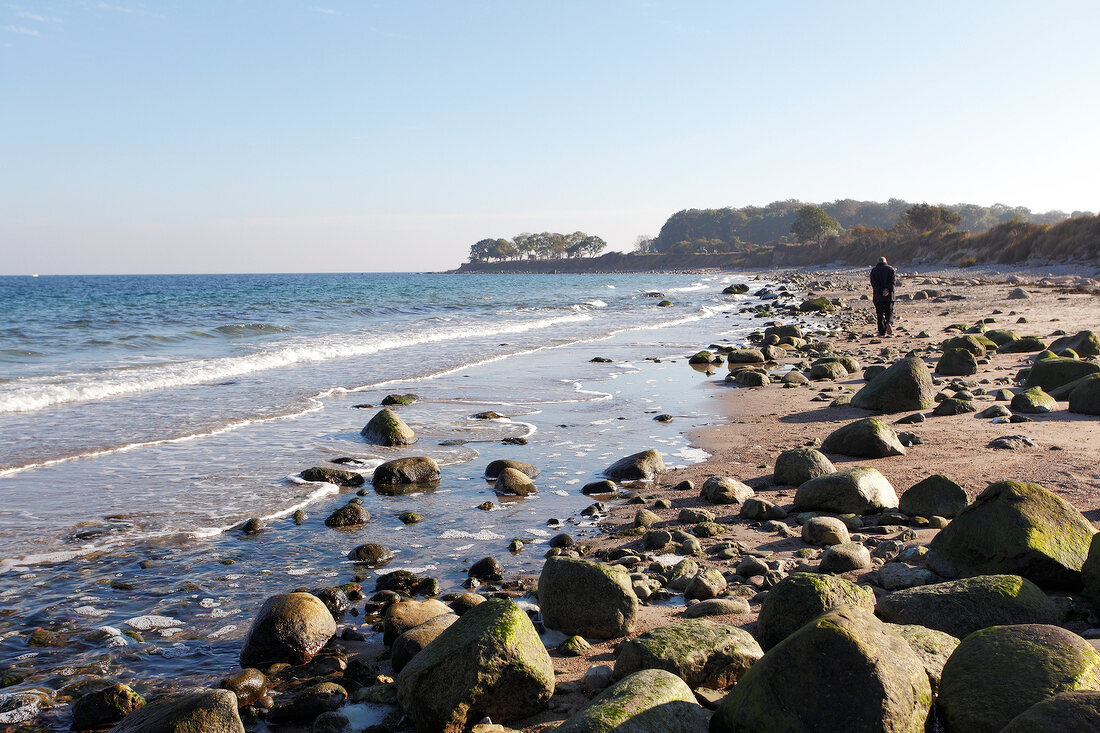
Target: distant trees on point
(543,246)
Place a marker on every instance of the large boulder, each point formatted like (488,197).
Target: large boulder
(401,616)
(866,438)
(1000,336)
(1033,401)
(196,710)
(961,607)
(956,362)
(725,490)
(744,356)
(970,342)
(512,481)
(1083,343)
(906,385)
(413,470)
(1084,399)
(413,641)
(701,652)
(352,514)
(932,646)
(828,369)
(1022,345)
(797,466)
(645,702)
(387,428)
(636,467)
(490,662)
(1078,710)
(1015,528)
(801,597)
(859,490)
(290,627)
(1055,371)
(999,672)
(333,476)
(587,598)
(495,467)
(105,706)
(1090,570)
(843,671)
(935,496)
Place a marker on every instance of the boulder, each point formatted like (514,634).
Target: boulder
(897,575)
(333,476)
(1084,399)
(961,607)
(832,369)
(801,597)
(906,385)
(994,411)
(1018,294)
(970,342)
(954,406)
(1015,528)
(703,357)
(1078,710)
(761,509)
(688,515)
(306,705)
(706,584)
(387,428)
(859,490)
(935,496)
(997,673)
(495,467)
(1084,343)
(744,356)
(490,662)
(866,438)
(400,399)
(511,481)
(195,710)
(845,557)
(414,470)
(749,378)
(815,305)
(735,289)
(1090,570)
(637,467)
(248,684)
(843,671)
(1022,345)
(106,706)
(1000,336)
(290,627)
(352,514)
(717,607)
(725,490)
(587,598)
(701,652)
(957,363)
(645,702)
(372,555)
(413,641)
(931,646)
(786,330)
(824,531)
(1033,401)
(1055,371)
(404,615)
(797,466)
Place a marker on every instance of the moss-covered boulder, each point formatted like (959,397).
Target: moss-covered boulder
(1022,345)
(999,672)
(495,467)
(801,597)
(1090,570)
(352,514)
(843,671)
(195,710)
(1084,399)
(954,406)
(935,496)
(704,357)
(371,554)
(1056,371)
(735,357)
(1033,401)
(1019,529)
(931,646)
(828,369)
(797,466)
(735,289)
(587,598)
(1078,710)
(956,362)
(412,642)
(725,490)
(400,399)
(636,467)
(816,305)
(387,428)
(859,490)
(784,331)
(969,342)
(105,706)
(490,662)
(866,438)
(645,702)
(290,627)
(511,481)
(333,476)
(749,378)
(413,470)
(1084,343)
(905,385)
(961,607)
(1000,336)
(701,652)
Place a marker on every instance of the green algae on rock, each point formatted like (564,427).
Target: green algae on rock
(801,597)
(700,652)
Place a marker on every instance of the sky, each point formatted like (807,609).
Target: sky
(284,136)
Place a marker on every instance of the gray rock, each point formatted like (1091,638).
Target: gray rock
(717,607)
(761,509)
(936,495)
(898,575)
(291,627)
(411,470)
(196,710)
(957,362)
(1033,401)
(933,647)
(587,598)
(372,555)
(707,584)
(352,514)
(866,438)
(859,490)
(1078,710)
(905,385)
(823,531)
(845,557)
(694,516)
(511,481)
(387,428)
(796,467)
(495,467)
(401,616)
(413,641)
(645,702)
(724,490)
(700,652)
(105,706)
(801,597)
(639,466)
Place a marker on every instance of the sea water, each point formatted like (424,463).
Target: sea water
(143,418)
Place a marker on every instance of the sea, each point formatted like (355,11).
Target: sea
(144,418)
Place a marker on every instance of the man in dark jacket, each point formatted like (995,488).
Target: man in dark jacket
(883,278)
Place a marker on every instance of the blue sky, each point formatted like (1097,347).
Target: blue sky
(292,136)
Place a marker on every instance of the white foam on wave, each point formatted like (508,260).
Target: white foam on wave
(459,534)
(688,288)
(34,393)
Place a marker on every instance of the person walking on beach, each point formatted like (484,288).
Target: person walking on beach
(883,279)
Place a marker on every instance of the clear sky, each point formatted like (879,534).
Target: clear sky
(278,135)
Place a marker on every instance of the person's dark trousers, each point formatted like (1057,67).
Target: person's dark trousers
(884,310)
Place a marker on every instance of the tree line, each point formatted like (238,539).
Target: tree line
(734,229)
(543,246)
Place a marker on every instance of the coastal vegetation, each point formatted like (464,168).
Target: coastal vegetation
(543,246)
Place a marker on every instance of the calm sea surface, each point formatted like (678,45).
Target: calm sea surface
(143,417)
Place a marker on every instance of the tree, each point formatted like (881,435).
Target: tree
(644,245)
(813,222)
(927,218)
